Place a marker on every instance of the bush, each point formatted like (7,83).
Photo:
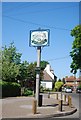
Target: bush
(10,89)
(54,89)
(79,87)
(43,89)
(27,92)
(58,85)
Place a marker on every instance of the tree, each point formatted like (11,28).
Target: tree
(43,64)
(10,54)
(10,63)
(0,64)
(31,74)
(23,72)
(58,85)
(13,70)
(63,80)
(59,80)
(76,49)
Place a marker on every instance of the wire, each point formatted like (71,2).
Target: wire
(23,21)
(59,58)
(19,6)
(47,10)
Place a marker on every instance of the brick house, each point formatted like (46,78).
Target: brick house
(72,81)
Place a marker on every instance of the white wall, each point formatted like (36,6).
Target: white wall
(46,84)
(48,70)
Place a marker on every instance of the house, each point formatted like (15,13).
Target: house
(78,81)
(48,78)
(72,81)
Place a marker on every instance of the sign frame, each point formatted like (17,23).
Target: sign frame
(41,32)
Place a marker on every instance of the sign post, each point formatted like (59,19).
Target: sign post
(38,74)
(39,38)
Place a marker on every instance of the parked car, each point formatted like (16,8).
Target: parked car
(68,90)
(78,90)
(63,89)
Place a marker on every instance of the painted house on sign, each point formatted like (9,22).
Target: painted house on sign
(48,78)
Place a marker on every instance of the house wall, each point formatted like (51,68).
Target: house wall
(48,70)
(46,84)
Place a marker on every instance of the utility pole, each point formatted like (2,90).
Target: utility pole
(38,74)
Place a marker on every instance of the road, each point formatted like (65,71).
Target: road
(76,98)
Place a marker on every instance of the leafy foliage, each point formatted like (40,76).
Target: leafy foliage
(58,85)
(13,70)
(79,87)
(22,76)
(43,64)
(27,92)
(10,54)
(10,89)
(76,49)
(10,63)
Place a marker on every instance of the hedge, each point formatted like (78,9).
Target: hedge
(27,92)
(10,89)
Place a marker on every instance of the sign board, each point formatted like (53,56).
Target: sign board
(39,37)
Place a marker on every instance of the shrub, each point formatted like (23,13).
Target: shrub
(10,89)
(43,89)
(27,92)
(54,89)
(79,86)
(58,85)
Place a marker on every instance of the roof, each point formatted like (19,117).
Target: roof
(70,84)
(79,79)
(71,78)
(46,76)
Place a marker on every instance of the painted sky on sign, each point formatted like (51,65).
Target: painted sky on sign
(18,18)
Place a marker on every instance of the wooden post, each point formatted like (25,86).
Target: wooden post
(60,105)
(70,101)
(57,96)
(48,94)
(64,98)
(34,107)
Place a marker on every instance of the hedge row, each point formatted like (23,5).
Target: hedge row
(10,89)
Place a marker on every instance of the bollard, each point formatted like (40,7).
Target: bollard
(64,98)
(70,101)
(40,101)
(34,107)
(48,94)
(60,105)
(57,96)
(61,96)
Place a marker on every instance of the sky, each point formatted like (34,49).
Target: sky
(18,18)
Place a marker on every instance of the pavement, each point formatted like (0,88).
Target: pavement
(21,107)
